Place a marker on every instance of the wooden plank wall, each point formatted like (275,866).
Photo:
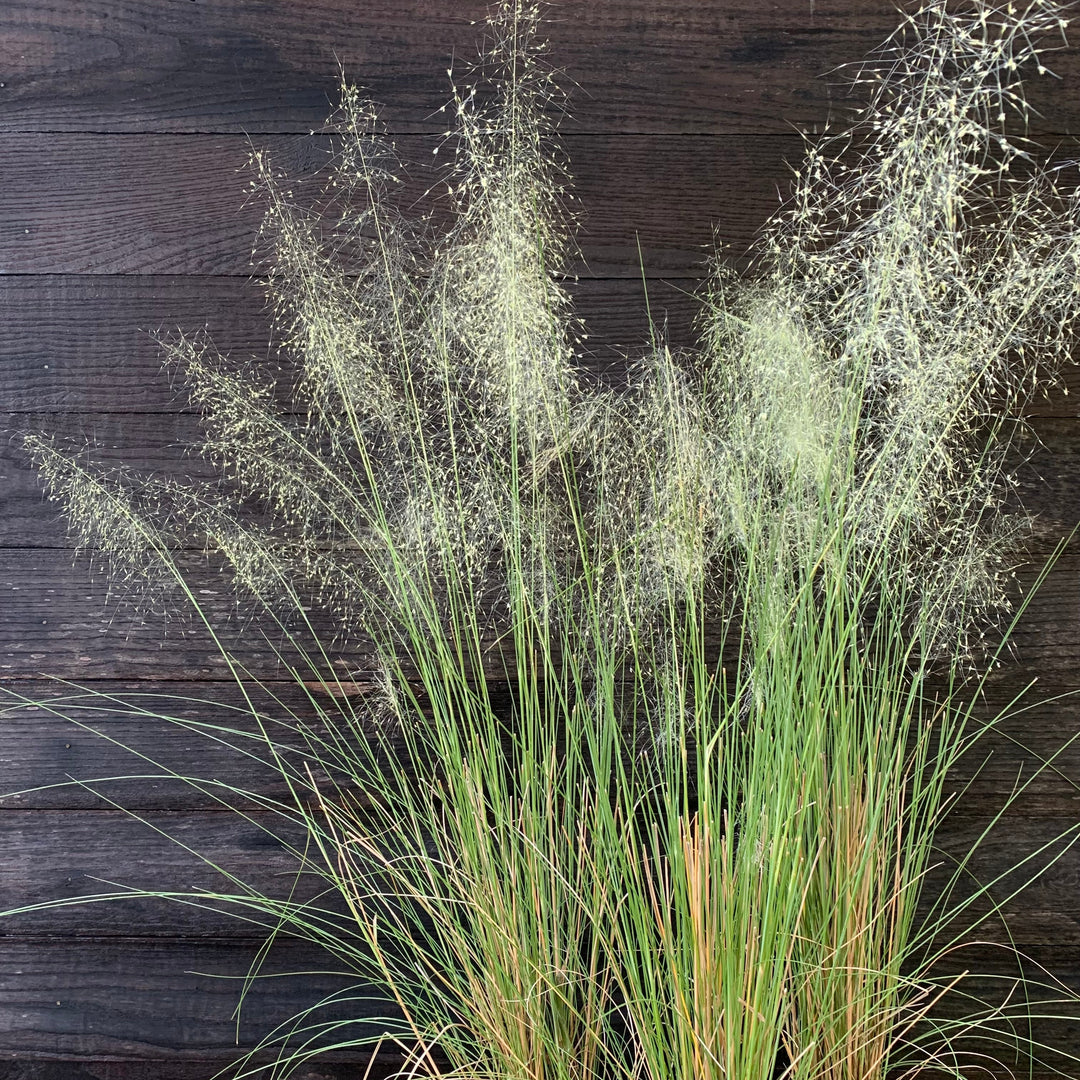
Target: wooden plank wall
(124,125)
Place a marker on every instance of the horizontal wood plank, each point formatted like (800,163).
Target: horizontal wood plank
(74,855)
(53,1067)
(630,65)
(76,747)
(71,748)
(62,744)
(59,622)
(658,205)
(85,343)
(141,998)
(56,856)
(175,204)
(136,998)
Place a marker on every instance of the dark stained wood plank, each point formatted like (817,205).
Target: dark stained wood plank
(1028,861)
(990,975)
(1026,760)
(61,855)
(85,343)
(131,998)
(53,1067)
(174,204)
(161,444)
(1047,466)
(145,733)
(110,729)
(128,205)
(44,747)
(1059,400)
(59,622)
(99,732)
(1047,639)
(138,998)
(631,65)
(86,1068)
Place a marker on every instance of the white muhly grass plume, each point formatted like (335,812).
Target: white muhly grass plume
(904,297)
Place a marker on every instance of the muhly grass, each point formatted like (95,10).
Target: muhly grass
(648,781)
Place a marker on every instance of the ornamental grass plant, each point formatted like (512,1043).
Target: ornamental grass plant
(661,680)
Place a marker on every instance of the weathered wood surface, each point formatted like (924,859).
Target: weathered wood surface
(692,66)
(86,343)
(179,204)
(164,445)
(139,997)
(56,625)
(75,854)
(33,1067)
(121,998)
(122,211)
(127,742)
(149,734)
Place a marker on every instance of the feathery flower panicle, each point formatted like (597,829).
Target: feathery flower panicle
(908,293)
(901,303)
(117,516)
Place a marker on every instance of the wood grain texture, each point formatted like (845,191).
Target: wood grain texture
(60,623)
(90,852)
(140,997)
(58,855)
(90,1068)
(692,66)
(1045,465)
(96,1068)
(127,741)
(86,344)
(657,205)
(178,204)
(149,734)
(121,997)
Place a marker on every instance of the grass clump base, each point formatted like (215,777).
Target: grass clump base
(647,781)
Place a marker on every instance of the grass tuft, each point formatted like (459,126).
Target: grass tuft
(647,780)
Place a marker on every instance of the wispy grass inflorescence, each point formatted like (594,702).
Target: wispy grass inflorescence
(647,780)
(938,265)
